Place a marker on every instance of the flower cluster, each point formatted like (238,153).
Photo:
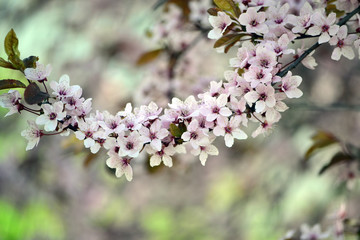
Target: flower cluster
(253,91)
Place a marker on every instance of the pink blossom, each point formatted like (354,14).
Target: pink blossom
(52,114)
(40,73)
(254,21)
(32,134)
(325,26)
(262,97)
(11,100)
(121,164)
(343,43)
(290,85)
(230,130)
(219,24)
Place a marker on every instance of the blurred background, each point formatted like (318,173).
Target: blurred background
(258,189)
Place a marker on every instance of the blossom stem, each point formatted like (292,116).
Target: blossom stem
(45,87)
(257,118)
(316,45)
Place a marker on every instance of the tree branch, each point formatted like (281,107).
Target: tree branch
(316,45)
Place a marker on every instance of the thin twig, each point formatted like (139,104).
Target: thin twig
(316,45)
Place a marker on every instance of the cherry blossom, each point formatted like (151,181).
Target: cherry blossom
(204,150)
(52,114)
(219,24)
(290,85)
(40,73)
(62,88)
(11,100)
(215,107)
(154,134)
(130,145)
(343,43)
(121,164)
(230,130)
(314,233)
(325,26)
(32,134)
(262,96)
(254,21)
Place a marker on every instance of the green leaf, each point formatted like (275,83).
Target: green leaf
(177,131)
(33,94)
(228,39)
(339,157)
(30,62)
(6,64)
(17,62)
(149,57)
(11,44)
(228,5)
(11,83)
(321,139)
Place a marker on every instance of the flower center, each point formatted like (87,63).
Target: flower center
(340,43)
(129,145)
(325,28)
(52,116)
(254,23)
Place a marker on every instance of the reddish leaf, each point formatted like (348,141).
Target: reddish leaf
(338,158)
(34,95)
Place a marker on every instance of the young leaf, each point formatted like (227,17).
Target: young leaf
(213,11)
(227,39)
(17,62)
(228,5)
(6,64)
(321,139)
(11,83)
(30,62)
(149,57)
(34,95)
(177,131)
(339,157)
(11,44)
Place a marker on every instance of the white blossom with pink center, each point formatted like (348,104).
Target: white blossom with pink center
(262,96)
(323,26)
(154,134)
(40,73)
(32,134)
(254,21)
(290,85)
(11,101)
(219,24)
(343,43)
(230,130)
(52,114)
(121,164)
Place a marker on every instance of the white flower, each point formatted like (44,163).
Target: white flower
(75,100)
(63,88)
(40,73)
(313,233)
(52,114)
(121,164)
(230,130)
(343,44)
(263,96)
(185,109)
(204,150)
(254,21)
(264,58)
(11,100)
(154,134)
(195,135)
(256,75)
(325,26)
(32,134)
(164,155)
(86,132)
(111,123)
(303,21)
(130,145)
(290,85)
(149,112)
(219,24)
(214,108)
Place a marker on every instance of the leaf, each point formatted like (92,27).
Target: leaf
(213,11)
(228,5)
(34,95)
(177,131)
(321,139)
(332,8)
(17,62)
(11,83)
(339,157)
(149,57)
(89,159)
(6,64)
(227,39)
(30,62)
(11,44)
